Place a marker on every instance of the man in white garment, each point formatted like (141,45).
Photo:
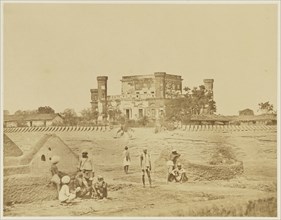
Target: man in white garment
(145,163)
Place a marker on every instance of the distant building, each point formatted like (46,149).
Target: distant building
(141,95)
(32,120)
(246,112)
(12,120)
(266,119)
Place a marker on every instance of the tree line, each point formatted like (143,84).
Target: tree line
(178,107)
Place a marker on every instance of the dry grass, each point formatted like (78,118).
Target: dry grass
(261,207)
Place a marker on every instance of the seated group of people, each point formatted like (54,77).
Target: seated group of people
(80,185)
(176,172)
(88,187)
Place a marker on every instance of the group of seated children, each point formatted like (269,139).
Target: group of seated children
(81,185)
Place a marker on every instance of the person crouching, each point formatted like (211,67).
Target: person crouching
(180,174)
(100,188)
(171,164)
(64,195)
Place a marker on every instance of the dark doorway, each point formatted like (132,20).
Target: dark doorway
(128,113)
(140,113)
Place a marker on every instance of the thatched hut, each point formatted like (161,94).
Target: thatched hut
(37,159)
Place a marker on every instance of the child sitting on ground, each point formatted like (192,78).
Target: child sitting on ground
(83,183)
(100,188)
(64,195)
(180,174)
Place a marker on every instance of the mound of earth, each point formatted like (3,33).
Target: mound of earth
(10,148)
(222,166)
(223,155)
(27,189)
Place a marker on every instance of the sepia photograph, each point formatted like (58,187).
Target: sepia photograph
(140,109)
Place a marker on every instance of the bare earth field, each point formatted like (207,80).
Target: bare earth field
(252,193)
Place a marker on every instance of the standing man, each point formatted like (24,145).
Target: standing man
(145,163)
(126,160)
(86,166)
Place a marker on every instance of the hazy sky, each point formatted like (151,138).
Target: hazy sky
(54,52)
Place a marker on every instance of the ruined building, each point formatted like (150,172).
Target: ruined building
(141,95)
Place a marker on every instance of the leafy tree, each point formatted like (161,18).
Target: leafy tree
(212,106)
(40,110)
(114,111)
(18,112)
(266,107)
(192,102)
(114,114)
(89,115)
(26,112)
(45,110)
(70,117)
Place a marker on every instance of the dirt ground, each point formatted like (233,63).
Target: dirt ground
(252,193)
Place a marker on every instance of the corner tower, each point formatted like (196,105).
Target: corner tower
(160,84)
(94,99)
(209,84)
(102,94)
